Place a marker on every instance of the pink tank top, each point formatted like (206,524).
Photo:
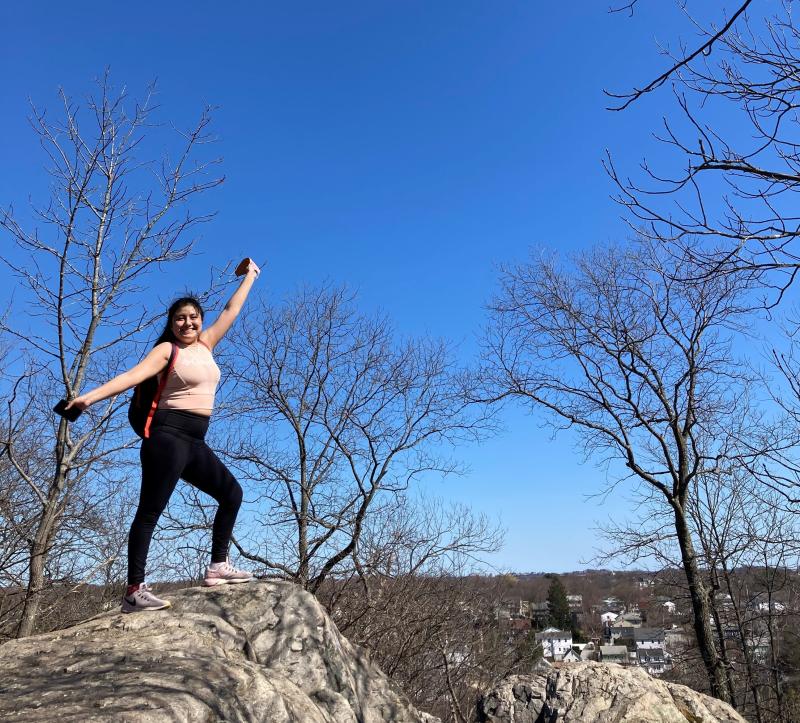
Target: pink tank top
(193,380)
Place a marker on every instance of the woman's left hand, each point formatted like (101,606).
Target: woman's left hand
(252,269)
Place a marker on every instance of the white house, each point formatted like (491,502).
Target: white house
(607,618)
(575,602)
(669,606)
(555,643)
(778,608)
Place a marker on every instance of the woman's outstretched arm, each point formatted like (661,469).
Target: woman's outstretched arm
(211,335)
(151,365)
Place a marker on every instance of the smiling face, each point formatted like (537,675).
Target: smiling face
(187,323)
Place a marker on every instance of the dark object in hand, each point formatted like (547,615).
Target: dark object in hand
(69,414)
(241,269)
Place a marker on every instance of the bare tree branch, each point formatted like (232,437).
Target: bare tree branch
(703,49)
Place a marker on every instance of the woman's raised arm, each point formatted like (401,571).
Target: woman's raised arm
(211,335)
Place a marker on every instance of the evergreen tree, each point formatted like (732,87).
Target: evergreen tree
(558,605)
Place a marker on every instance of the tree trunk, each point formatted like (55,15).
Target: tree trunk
(723,653)
(746,652)
(302,540)
(39,550)
(701,609)
(774,664)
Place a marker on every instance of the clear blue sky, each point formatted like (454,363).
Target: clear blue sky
(402,148)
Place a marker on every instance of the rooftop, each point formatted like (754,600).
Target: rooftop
(612,650)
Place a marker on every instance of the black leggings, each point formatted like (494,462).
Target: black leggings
(176,449)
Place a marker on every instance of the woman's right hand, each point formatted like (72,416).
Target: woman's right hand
(252,269)
(81,403)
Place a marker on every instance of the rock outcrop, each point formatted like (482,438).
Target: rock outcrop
(263,651)
(598,693)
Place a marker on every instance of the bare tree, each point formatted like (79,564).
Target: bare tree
(638,364)
(749,548)
(733,134)
(710,36)
(412,597)
(745,538)
(113,215)
(732,129)
(337,413)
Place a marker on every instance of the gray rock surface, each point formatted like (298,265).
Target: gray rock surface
(599,693)
(262,651)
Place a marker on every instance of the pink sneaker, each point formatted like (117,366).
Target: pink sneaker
(221,573)
(143,600)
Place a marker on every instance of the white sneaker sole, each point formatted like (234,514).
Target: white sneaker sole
(128,608)
(212,581)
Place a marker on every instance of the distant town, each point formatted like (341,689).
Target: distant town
(639,624)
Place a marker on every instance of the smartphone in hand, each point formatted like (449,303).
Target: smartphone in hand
(69,414)
(241,269)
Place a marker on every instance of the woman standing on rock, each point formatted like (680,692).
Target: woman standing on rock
(174,445)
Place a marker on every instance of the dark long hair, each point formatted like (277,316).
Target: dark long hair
(167,334)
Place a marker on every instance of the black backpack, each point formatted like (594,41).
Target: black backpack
(144,400)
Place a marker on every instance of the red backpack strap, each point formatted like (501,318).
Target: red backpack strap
(173,355)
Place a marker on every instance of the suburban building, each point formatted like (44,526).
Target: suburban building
(614,604)
(519,624)
(539,612)
(722,600)
(617,635)
(765,606)
(758,641)
(555,643)
(632,618)
(648,638)
(635,638)
(504,610)
(575,603)
(614,654)
(571,657)
(676,639)
(653,660)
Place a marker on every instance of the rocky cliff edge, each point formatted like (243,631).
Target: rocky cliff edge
(264,651)
(599,693)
